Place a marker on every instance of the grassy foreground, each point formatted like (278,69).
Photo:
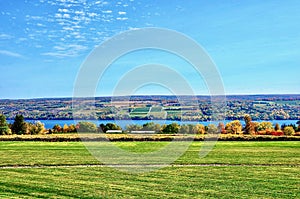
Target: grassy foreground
(275,175)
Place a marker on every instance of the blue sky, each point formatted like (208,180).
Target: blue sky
(255,44)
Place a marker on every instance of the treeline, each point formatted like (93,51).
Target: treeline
(19,126)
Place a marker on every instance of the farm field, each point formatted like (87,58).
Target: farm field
(231,170)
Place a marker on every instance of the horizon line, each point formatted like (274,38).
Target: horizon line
(145,95)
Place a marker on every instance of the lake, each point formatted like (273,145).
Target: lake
(50,123)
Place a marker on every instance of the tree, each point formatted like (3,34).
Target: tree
(19,126)
(249,127)
(4,128)
(212,129)
(289,130)
(36,128)
(221,128)
(185,129)
(133,127)
(264,126)
(87,127)
(109,126)
(171,128)
(234,127)
(277,127)
(65,128)
(56,128)
(198,129)
(151,126)
(72,128)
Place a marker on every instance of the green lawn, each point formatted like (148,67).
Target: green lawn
(275,175)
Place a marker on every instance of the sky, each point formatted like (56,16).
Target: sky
(255,45)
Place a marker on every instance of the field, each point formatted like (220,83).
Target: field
(231,170)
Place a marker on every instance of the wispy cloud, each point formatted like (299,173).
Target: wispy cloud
(63,51)
(5,36)
(11,54)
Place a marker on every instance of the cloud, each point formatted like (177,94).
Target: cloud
(107,11)
(122,13)
(11,54)
(63,51)
(5,36)
(121,18)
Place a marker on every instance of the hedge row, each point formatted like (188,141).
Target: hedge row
(113,138)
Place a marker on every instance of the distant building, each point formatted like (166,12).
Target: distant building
(114,131)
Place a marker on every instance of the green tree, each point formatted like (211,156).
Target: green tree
(19,126)
(151,126)
(289,130)
(4,128)
(171,128)
(109,126)
(87,127)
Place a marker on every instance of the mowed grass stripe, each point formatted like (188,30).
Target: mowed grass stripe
(184,182)
(74,153)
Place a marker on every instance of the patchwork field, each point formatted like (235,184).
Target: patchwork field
(231,170)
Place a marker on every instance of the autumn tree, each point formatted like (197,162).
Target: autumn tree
(289,130)
(72,128)
(221,128)
(56,128)
(36,128)
(249,127)
(212,129)
(277,127)
(234,127)
(133,127)
(185,129)
(198,129)
(65,128)
(264,126)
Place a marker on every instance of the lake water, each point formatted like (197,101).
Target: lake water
(50,123)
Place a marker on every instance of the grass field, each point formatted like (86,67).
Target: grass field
(244,170)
